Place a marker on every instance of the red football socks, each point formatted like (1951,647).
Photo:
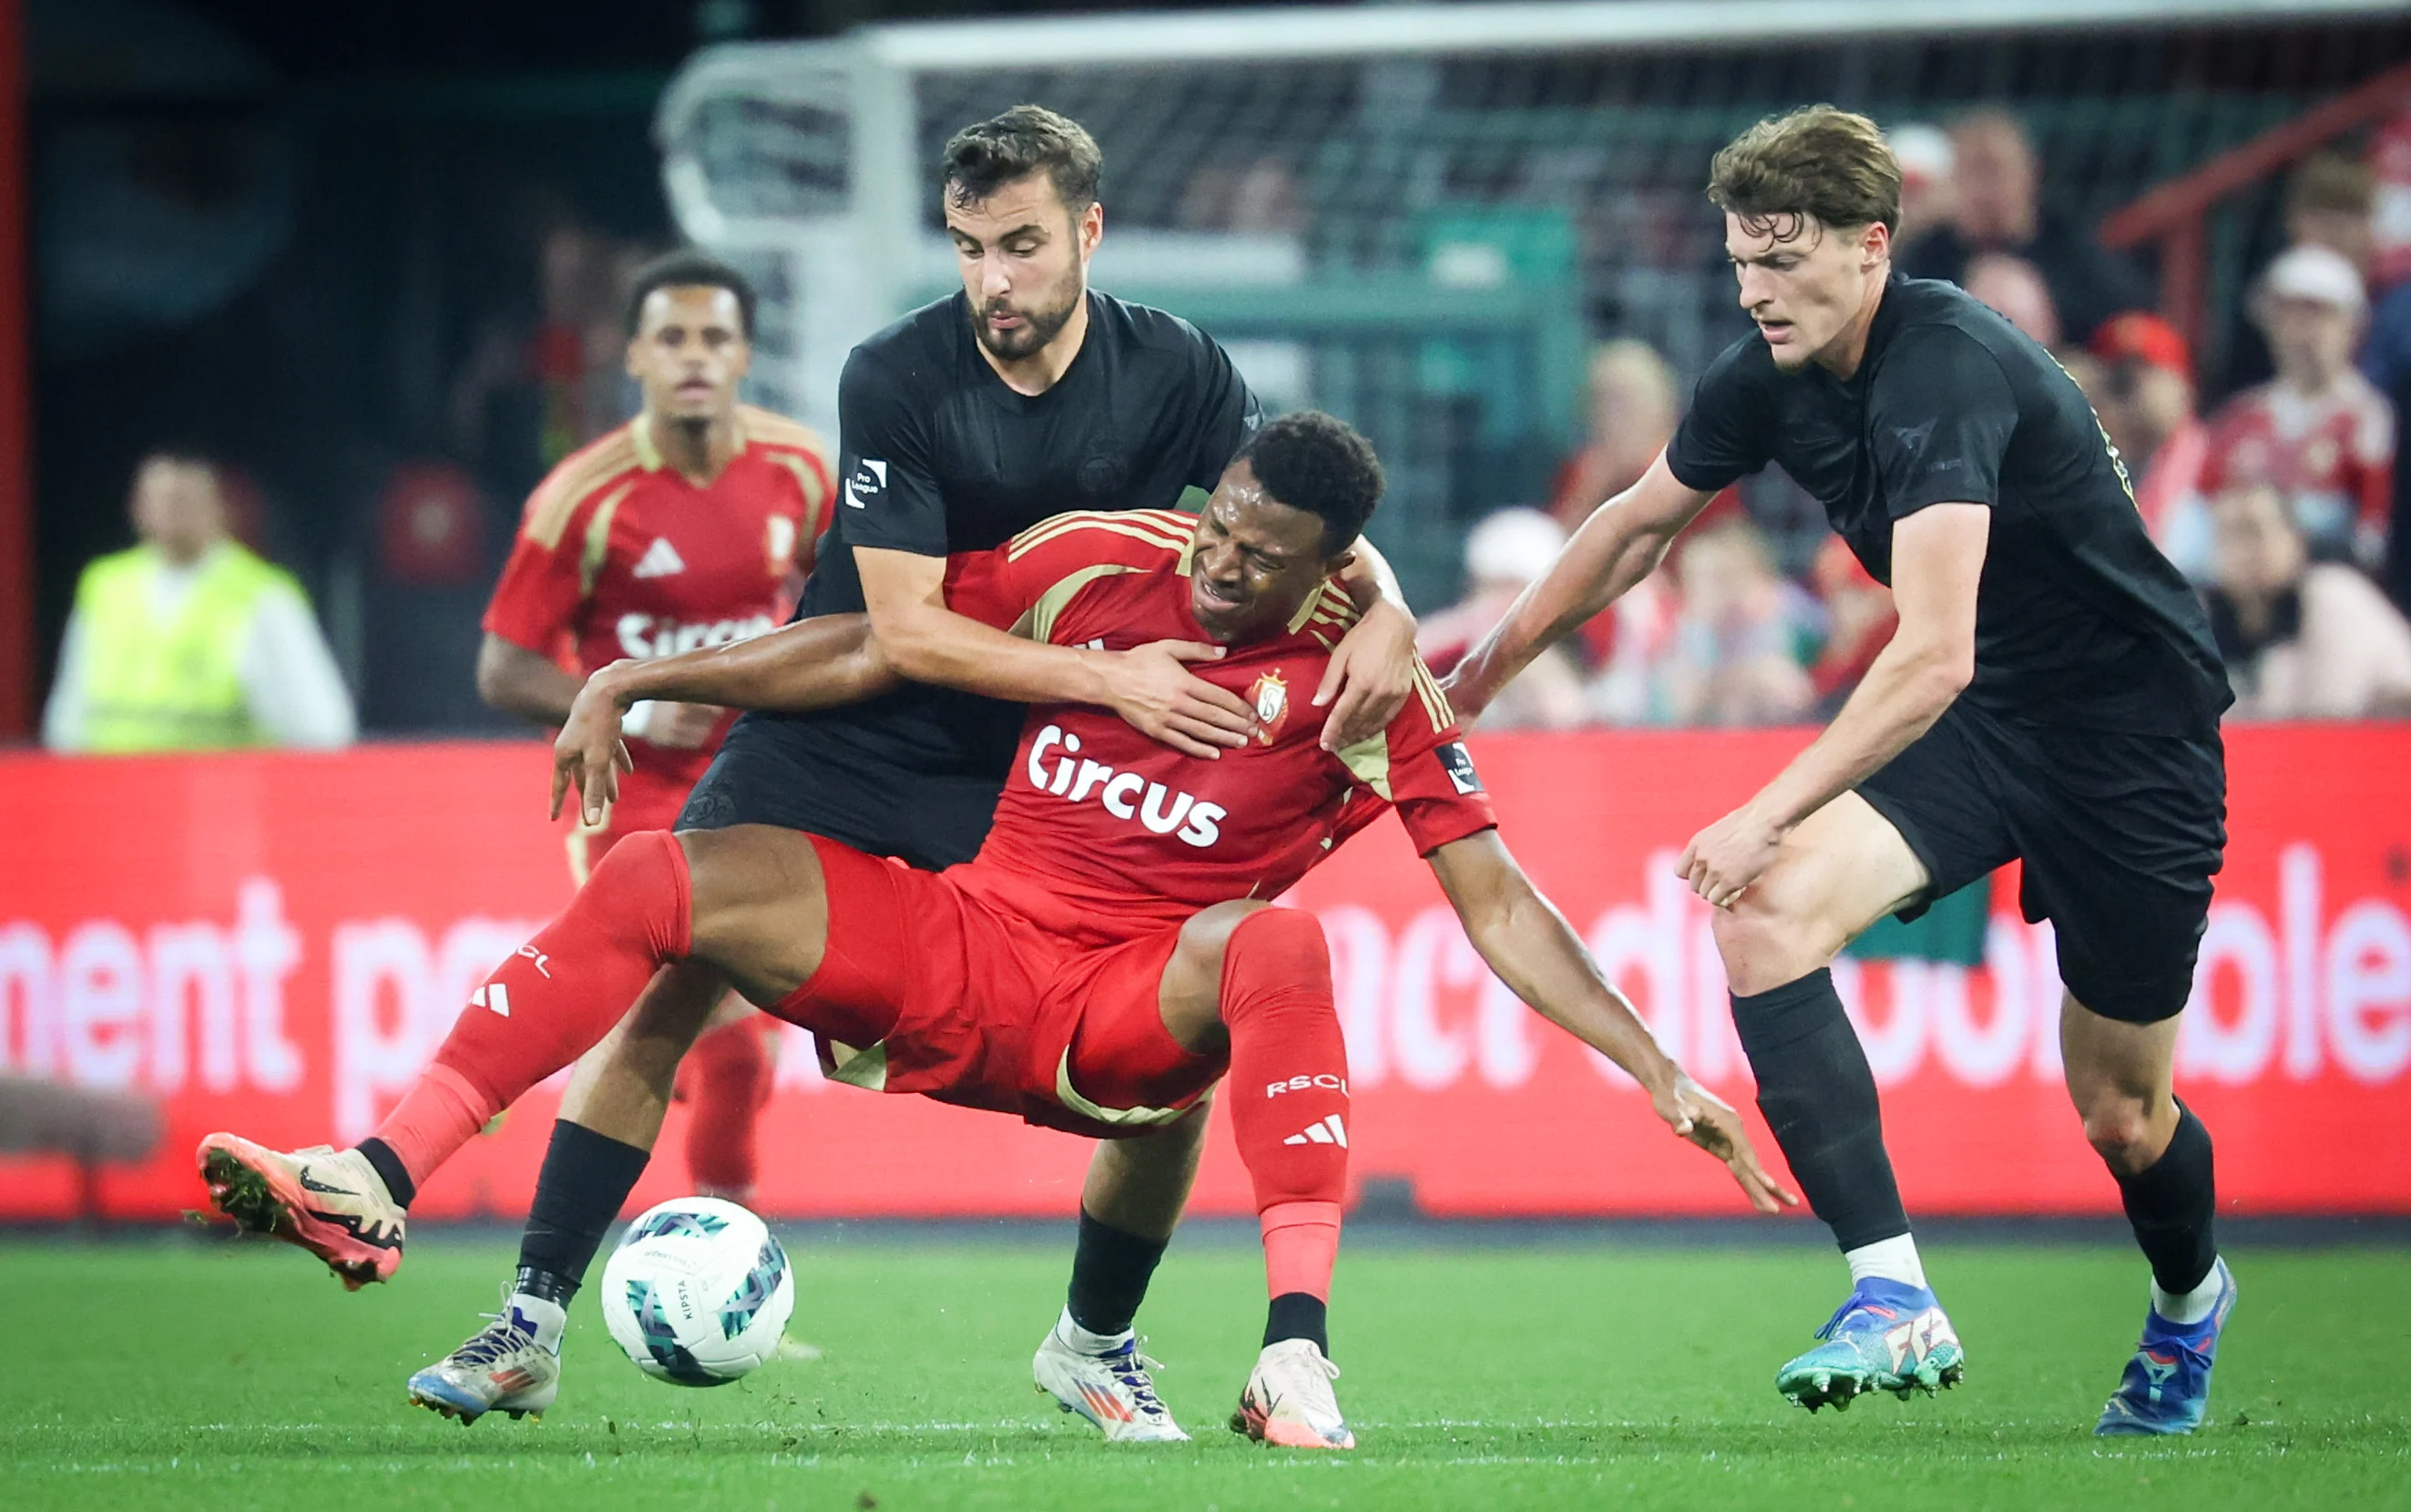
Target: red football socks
(1288,1092)
(551,1003)
(728,1076)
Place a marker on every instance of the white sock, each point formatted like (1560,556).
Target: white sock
(1081,1342)
(548,1317)
(1893,1259)
(2186,1309)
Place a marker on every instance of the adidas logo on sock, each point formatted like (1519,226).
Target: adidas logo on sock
(1322,1130)
(493,995)
(660,560)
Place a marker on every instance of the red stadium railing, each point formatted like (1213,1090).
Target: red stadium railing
(2176,214)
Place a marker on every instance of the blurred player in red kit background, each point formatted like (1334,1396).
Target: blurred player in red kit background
(688,526)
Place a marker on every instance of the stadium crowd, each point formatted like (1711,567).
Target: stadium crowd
(2279,501)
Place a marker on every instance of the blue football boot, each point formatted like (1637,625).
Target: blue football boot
(2165,1387)
(1887,1337)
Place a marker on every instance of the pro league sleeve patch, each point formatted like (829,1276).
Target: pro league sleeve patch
(866,484)
(1459,764)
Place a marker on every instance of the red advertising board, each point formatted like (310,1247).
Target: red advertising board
(275,943)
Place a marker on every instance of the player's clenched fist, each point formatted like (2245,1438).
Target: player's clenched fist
(1709,1121)
(1153,689)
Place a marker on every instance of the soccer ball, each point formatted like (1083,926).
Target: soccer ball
(698,1292)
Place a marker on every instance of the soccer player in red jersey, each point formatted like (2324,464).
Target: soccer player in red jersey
(1108,956)
(688,526)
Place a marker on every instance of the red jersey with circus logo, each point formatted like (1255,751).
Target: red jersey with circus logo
(619,554)
(1103,834)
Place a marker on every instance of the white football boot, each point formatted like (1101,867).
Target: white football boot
(511,1365)
(330,1202)
(1112,1391)
(1289,1401)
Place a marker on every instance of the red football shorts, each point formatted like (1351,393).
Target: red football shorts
(929,986)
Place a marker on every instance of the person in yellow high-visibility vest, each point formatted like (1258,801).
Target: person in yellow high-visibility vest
(187,642)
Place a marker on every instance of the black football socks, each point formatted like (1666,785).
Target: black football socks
(585,1182)
(1110,1270)
(1818,1096)
(2171,1203)
(1298,1314)
(389,1169)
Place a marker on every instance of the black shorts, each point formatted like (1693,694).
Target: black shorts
(2119,834)
(800,775)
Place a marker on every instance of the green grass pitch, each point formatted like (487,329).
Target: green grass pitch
(158,1375)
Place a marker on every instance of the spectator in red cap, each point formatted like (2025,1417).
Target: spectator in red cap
(2146,403)
(2318,433)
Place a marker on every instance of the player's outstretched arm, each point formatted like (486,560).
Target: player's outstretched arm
(812,664)
(1621,543)
(1536,953)
(1149,686)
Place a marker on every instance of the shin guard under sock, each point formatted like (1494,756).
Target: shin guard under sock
(1818,1096)
(585,1182)
(551,1003)
(731,1070)
(2171,1204)
(1288,1108)
(1289,1065)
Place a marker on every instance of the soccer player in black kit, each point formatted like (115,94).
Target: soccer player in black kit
(2052,695)
(1025,396)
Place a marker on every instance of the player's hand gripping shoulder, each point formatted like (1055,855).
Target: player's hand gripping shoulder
(1529,945)
(926,635)
(1372,669)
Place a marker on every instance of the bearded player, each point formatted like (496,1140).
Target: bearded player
(1024,395)
(688,526)
(2052,696)
(1107,957)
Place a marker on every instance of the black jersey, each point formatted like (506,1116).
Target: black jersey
(2080,620)
(937,455)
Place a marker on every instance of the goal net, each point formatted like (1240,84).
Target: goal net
(1422,217)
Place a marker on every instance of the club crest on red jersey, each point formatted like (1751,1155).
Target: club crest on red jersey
(1270,696)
